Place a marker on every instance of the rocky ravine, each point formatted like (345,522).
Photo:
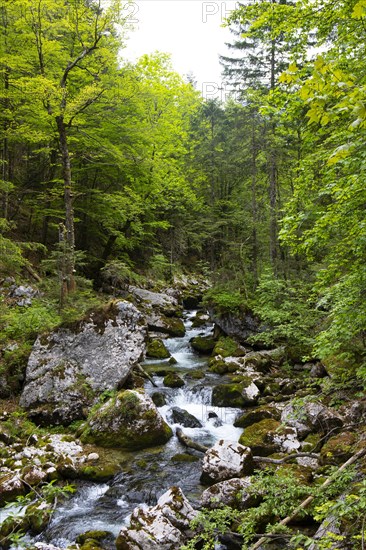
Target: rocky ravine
(70,368)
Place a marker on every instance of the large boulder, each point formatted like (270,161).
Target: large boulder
(69,367)
(239,327)
(269,436)
(128,420)
(311,416)
(160,527)
(226,460)
(232,492)
(162,312)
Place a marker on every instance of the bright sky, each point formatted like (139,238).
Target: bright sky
(188,29)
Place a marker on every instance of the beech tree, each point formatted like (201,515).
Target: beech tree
(66,53)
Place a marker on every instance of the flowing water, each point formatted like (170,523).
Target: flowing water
(146,474)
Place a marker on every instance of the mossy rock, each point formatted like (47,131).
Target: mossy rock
(256,415)
(173,380)
(338,448)
(218,365)
(129,420)
(157,350)
(203,344)
(92,536)
(159,399)
(227,347)
(232,395)
(174,326)
(302,474)
(184,457)
(258,437)
(99,472)
(310,443)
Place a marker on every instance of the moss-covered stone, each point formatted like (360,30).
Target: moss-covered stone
(173,380)
(174,326)
(258,437)
(233,395)
(310,443)
(227,347)
(256,415)
(338,448)
(184,457)
(158,399)
(129,420)
(203,344)
(92,535)
(157,350)
(218,365)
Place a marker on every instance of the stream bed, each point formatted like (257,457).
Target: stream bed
(148,473)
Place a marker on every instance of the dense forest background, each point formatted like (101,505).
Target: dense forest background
(122,172)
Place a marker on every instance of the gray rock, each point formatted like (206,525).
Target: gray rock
(238,327)
(180,416)
(68,368)
(318,370)
(160,527)
(232,492)
(291,416)
(166,304)
(11,487)
(310,417)
(321,417)
(226,460)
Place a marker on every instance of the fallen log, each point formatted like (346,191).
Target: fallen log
(188,442)
(144,374)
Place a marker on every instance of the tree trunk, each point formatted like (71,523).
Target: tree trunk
(254,207)
(272,176)
(69,265)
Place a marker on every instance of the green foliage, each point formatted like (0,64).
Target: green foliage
(24,323)
(120,274)
(287,309)
(224,300)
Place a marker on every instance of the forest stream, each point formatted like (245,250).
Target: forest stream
(148,473)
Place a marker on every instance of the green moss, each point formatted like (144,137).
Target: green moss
(310,443)
(252,417)
(258,437)
(184,457)
(231,395)
(173,380)
(227,347)
(174,326)
(156,349)
(96,536)
(195,374)
(338,448)
(122,422)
